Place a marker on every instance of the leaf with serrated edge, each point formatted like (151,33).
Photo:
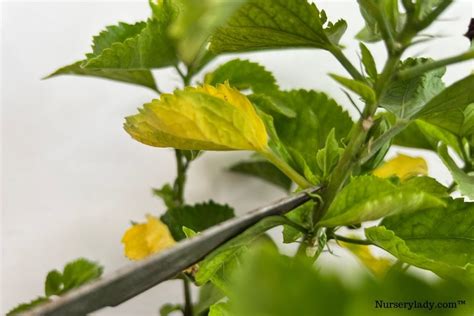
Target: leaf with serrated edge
(227,252)
(446,110)
(464,181)
(137,77)
(196,217)
(202,118)
(405,98)
(266,24)
(243,74)
(368,198)
(438,239)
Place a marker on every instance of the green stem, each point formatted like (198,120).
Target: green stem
(188,306)
(351,240)
(180,181)
(286,169)
(358,136)
(337,52)
(371,149)
(423,68)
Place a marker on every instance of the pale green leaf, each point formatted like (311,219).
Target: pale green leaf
(405,98)
(271,105)
(197,217)
(464,181)
(266,24)
(233,248)
(138,77)
(375,12)
(446,110)
(196,21)
(278,285)
(188,232)
(209,295)
(360,88)
(328,156)
(169,309)
(420,134)
(264,170)
(368,198)
(243,74)
(437,239)
(24,307)
(220,309)
(369,62)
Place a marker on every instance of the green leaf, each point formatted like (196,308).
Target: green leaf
(196,21)
(405,98)
(137,77)
(75,274)
(243,74)
(80,272)
(197,217)
(166,193)
(271,105)
(328,157)
(468,124)
(53,283)
(263,170)
(374,12)
(437,239)
(420,134)
(464,181)
(209,295)
(220,309)
(24,307)
(368,198)
(188,232)
(316,116)
(169,309)
(135,47)
(277,285)
(362,89)
(369,62)
(266,24)
(113,34)
(225,254)
(446,110)
(301,216)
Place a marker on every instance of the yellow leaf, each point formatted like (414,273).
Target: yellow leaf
(378,266)
(142,240)
(202,118)
(402,166)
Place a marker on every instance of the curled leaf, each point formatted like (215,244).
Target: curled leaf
(202,118)
(143,240)
(402,166)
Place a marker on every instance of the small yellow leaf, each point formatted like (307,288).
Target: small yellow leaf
(378,266)
(402,166)
(202,118)
(143,240)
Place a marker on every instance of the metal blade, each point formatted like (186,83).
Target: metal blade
(138,277)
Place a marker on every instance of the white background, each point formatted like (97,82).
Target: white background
(72,179)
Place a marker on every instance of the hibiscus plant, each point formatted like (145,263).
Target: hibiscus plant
(301,139)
